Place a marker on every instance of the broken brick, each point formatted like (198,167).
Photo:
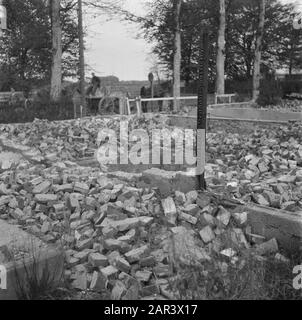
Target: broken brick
(207,235)
(137,254)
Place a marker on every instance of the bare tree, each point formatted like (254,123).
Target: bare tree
(220,64)
(56,67)
(177,54)
(114,8)
(258,48)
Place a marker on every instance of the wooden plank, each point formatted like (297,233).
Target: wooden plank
(165,99)
(226,95)
(179,98)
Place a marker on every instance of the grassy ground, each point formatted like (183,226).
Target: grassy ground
(248,279)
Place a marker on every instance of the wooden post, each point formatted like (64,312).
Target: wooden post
(152,95)
(120,106)
(74,110)
(128,106)
(136,103)
(121,101)
(138,106)
(151,80)
(202,108)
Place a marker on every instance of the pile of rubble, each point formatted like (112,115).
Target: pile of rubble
(264,166)
(72,139)
(119,234)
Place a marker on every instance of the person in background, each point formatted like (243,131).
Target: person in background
(94,94)
(143,94)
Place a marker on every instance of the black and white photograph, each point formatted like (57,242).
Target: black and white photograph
(150,153)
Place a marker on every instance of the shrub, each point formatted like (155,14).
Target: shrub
(41,107)
(289,86)
(270,93)
(241,86)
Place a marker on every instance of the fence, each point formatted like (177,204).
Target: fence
(138,101)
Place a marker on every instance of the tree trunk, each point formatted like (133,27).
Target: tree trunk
(220,65)
(82,57)
(23,63)
(177,55)
(257,62)
(290,69)
(188,64)
(56,68)
(290,66)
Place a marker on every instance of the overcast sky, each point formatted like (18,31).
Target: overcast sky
(112,47)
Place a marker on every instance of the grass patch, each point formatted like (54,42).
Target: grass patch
(247,279)
(37,277)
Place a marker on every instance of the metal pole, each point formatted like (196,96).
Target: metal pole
(82,59)
(202,108)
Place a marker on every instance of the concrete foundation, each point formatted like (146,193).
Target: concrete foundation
(282,225)
(255,114)
(236,114)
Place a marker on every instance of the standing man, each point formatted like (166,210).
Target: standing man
(94,94)
(143,94)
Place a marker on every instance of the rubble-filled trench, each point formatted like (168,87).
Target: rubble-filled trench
(126,239)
